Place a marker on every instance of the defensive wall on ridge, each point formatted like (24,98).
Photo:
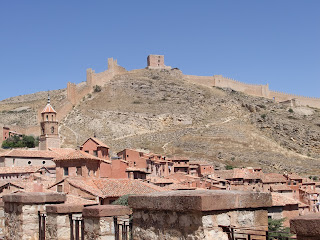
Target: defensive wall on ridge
(75,92)
(252,89)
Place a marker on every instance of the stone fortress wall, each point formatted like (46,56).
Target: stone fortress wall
(76,92)
(253,89)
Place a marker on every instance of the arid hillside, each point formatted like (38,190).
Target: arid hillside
(159,111)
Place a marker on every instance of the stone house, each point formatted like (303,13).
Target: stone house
(284,190)
(24,158)
(134,158)
(269,179)
(96,148)
(180,164)
(283,207)
(79,163)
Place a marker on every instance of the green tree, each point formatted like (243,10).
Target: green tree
(276,228)
(17,141)
(123,200)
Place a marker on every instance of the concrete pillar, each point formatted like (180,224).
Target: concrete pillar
(99,222)
(199,214)
(306,227)
(21,213)
(58,220)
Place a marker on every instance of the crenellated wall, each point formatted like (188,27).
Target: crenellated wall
(252,89)
(76,92)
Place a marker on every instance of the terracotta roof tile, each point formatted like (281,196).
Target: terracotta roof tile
(79,155)
(73,199)
(30,153)
(273,178)
(104,187)
(279,187)
(17,170)
(48,109)
(99,142)
(279,199)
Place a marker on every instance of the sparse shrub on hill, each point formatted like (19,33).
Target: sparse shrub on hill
(264,116)
(97,88)
(229,167)
(290,110)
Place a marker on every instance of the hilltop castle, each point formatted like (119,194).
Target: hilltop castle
(156,62)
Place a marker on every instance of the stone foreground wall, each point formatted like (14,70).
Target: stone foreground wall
(21,213)
(197,214)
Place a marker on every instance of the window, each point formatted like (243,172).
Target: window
(79,171)
(87,151)
(47,117)
(95,153)
(59,188)
(43,162)
(52,129)
(29,162)
(52,117)
(66,171)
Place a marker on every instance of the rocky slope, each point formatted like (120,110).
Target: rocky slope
(161,112)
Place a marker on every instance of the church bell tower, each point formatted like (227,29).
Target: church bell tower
(49,137)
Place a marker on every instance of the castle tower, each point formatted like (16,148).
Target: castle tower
(156,62)
(49,137)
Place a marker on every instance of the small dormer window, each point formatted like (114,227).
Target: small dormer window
(52,129)
(52,118)
(47,118)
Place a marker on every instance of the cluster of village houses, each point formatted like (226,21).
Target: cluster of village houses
(90,176)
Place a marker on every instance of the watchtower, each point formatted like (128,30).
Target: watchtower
(49,137)
(156,62)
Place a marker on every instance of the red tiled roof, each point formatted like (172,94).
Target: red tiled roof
(79,155)
(17,170)
(62,151)
(30,153)
(99,142)
(120,187)
(104,187)
(279,199)
(273,178)
(161,180)
(48,109)
(73,199)
(294,176)
(280,187)
(178,186)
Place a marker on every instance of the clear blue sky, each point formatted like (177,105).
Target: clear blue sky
(45,44)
